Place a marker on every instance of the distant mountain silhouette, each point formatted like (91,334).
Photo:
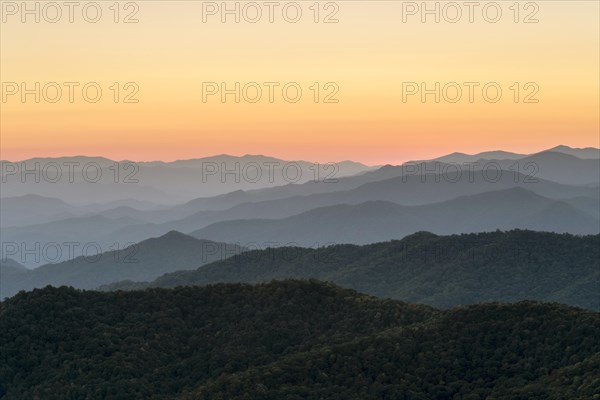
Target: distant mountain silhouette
(32,239)
(162,182)
(486,155)
(145,260)
(549,165)
(182,181)
(411,190)
(282,208)
(557,167)
(457,157)
(586,152)
(32,209)
(379,220)
(231,199)
(588,205)
(552,165)
(45,220)
(8,265)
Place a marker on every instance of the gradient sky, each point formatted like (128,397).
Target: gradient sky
(369,53)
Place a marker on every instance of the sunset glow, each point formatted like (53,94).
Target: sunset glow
(368,55)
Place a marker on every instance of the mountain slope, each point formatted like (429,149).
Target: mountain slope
(442,271)
(289,340)
(460,158)
(142,261)
(378,221)
(559,164)
(410,190)
(32,209)
(586,152)
(556,166)
(160,182)
(481,352)
(588,205)
(10,266)
(550,165)
(123,230)
(94,230)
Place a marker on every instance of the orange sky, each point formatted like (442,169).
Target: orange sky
(368,54)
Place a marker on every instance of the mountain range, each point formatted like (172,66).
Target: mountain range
(383,220)
(289,340)
(84,180)
(192,280)
(145,260)
(441,271)
(413,196)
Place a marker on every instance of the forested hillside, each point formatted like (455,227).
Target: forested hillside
(289,340)
(442,271)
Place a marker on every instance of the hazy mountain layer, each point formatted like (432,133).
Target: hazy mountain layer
(96,179)
(556,165)
(146,260)
(120,227)
(378,220)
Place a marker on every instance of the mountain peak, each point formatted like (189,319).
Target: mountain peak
(174,235)
(585,152)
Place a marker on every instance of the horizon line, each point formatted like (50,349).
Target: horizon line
(233,155)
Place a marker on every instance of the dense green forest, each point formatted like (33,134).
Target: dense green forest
(289,340)
(441,271)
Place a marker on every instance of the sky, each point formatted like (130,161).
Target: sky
(361,68)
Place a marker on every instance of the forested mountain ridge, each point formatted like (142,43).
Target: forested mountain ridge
(61,343)
(487,351)
(289,340)
(442,271)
